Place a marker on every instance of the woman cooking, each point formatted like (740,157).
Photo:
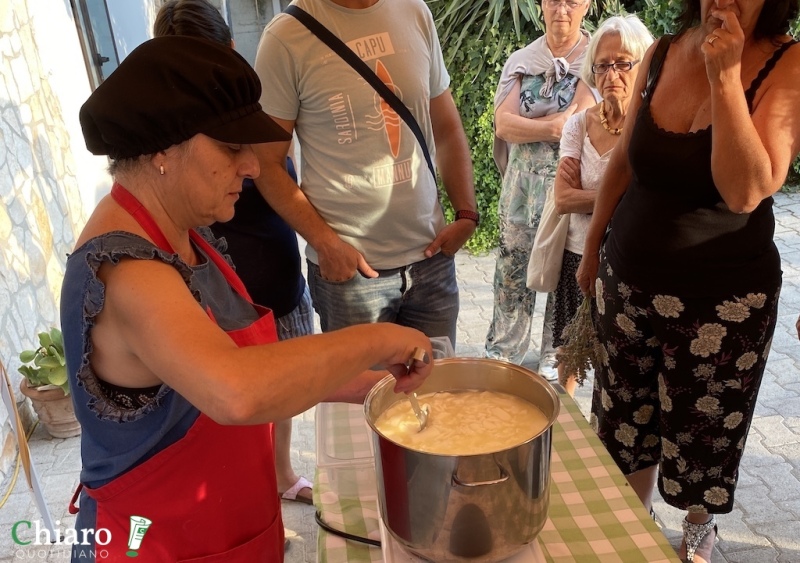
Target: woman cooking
(611,66)
(175,374)
(540,88)
(688,278)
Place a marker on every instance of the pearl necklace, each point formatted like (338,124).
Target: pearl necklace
(604,122)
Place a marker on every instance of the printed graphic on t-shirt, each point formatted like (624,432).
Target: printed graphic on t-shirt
(343,119)
(379,118)
(372,46)
(391,121)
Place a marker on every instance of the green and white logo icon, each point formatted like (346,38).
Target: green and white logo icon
(139,525)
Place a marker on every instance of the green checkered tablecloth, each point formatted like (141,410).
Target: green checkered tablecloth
(594,515)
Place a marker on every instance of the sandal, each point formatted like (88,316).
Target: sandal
(693,535)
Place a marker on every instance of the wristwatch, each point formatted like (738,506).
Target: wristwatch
(471,215)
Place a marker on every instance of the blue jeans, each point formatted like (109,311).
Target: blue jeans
(423,295)
(299,322)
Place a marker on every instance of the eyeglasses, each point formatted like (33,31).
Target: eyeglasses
(619,66)
(568,5)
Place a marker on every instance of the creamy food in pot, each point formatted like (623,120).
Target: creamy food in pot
(463,423)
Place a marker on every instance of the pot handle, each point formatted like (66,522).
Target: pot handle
(503,477)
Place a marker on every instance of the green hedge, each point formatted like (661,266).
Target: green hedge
(477,37)
(475,69)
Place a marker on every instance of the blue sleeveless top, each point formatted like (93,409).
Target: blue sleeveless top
(115,440)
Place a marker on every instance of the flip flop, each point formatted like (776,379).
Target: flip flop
(293,493)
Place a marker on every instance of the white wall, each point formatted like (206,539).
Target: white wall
(63,62)
(48,180)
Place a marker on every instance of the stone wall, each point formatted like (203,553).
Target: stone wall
(42,203)
(49,183)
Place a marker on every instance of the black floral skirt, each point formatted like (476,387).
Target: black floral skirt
(677,385)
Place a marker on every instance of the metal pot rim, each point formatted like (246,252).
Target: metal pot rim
(390,380)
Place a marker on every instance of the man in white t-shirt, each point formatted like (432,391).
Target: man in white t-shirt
(378,246)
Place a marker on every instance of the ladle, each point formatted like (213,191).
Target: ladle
(420,412)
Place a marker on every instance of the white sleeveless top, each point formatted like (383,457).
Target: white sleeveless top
(575,143)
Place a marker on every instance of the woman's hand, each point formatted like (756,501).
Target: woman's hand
(560,119)
(587,272)
(409,371)
(569,171)
(723,48)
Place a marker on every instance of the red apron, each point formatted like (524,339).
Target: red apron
(211,496)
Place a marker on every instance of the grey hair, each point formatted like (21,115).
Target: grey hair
(633,34)
(137,163)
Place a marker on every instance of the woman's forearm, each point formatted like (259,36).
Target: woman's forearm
(570,197)
(517,129)
(740,164)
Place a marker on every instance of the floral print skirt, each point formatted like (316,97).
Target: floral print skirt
(678,383)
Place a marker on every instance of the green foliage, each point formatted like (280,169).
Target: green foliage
(46,365)
(660,15)
(466,21)
(475,54)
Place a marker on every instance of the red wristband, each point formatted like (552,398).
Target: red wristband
(471,215)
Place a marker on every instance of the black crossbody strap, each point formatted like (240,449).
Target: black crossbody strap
(339,47)
(655,64)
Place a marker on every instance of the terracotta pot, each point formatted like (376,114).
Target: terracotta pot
(54,410)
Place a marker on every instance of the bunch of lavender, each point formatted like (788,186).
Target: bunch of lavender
(580,350)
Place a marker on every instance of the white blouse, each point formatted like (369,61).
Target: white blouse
(575,143)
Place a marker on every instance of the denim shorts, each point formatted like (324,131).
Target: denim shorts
(299,322)
(422,295)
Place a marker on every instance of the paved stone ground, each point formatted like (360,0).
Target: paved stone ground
(763,527)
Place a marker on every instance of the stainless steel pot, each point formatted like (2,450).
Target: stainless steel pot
(480,508)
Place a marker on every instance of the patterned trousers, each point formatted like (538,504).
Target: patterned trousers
(510,331)
(678,383)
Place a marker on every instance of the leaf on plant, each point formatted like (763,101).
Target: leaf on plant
(57,338)
(56,354)
(48,362)
(27,356)
(58,376)
(44,339)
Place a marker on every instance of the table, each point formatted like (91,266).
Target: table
(594,516)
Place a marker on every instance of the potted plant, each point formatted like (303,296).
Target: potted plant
(45,384)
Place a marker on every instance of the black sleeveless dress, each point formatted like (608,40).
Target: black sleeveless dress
(687,303)
(673,233)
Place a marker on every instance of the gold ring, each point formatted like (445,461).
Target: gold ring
(712,39)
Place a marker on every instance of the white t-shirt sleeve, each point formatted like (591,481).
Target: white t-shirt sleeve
(572,136)
(277,71)
(439,78)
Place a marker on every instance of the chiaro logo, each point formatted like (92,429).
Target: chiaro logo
(101,537)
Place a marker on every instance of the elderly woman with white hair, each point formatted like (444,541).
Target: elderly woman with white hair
(611,66)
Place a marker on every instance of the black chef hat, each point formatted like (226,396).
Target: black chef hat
(171,88)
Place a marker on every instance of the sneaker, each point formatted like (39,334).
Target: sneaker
(547,367)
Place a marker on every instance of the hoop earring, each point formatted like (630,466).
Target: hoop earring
(161,169)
